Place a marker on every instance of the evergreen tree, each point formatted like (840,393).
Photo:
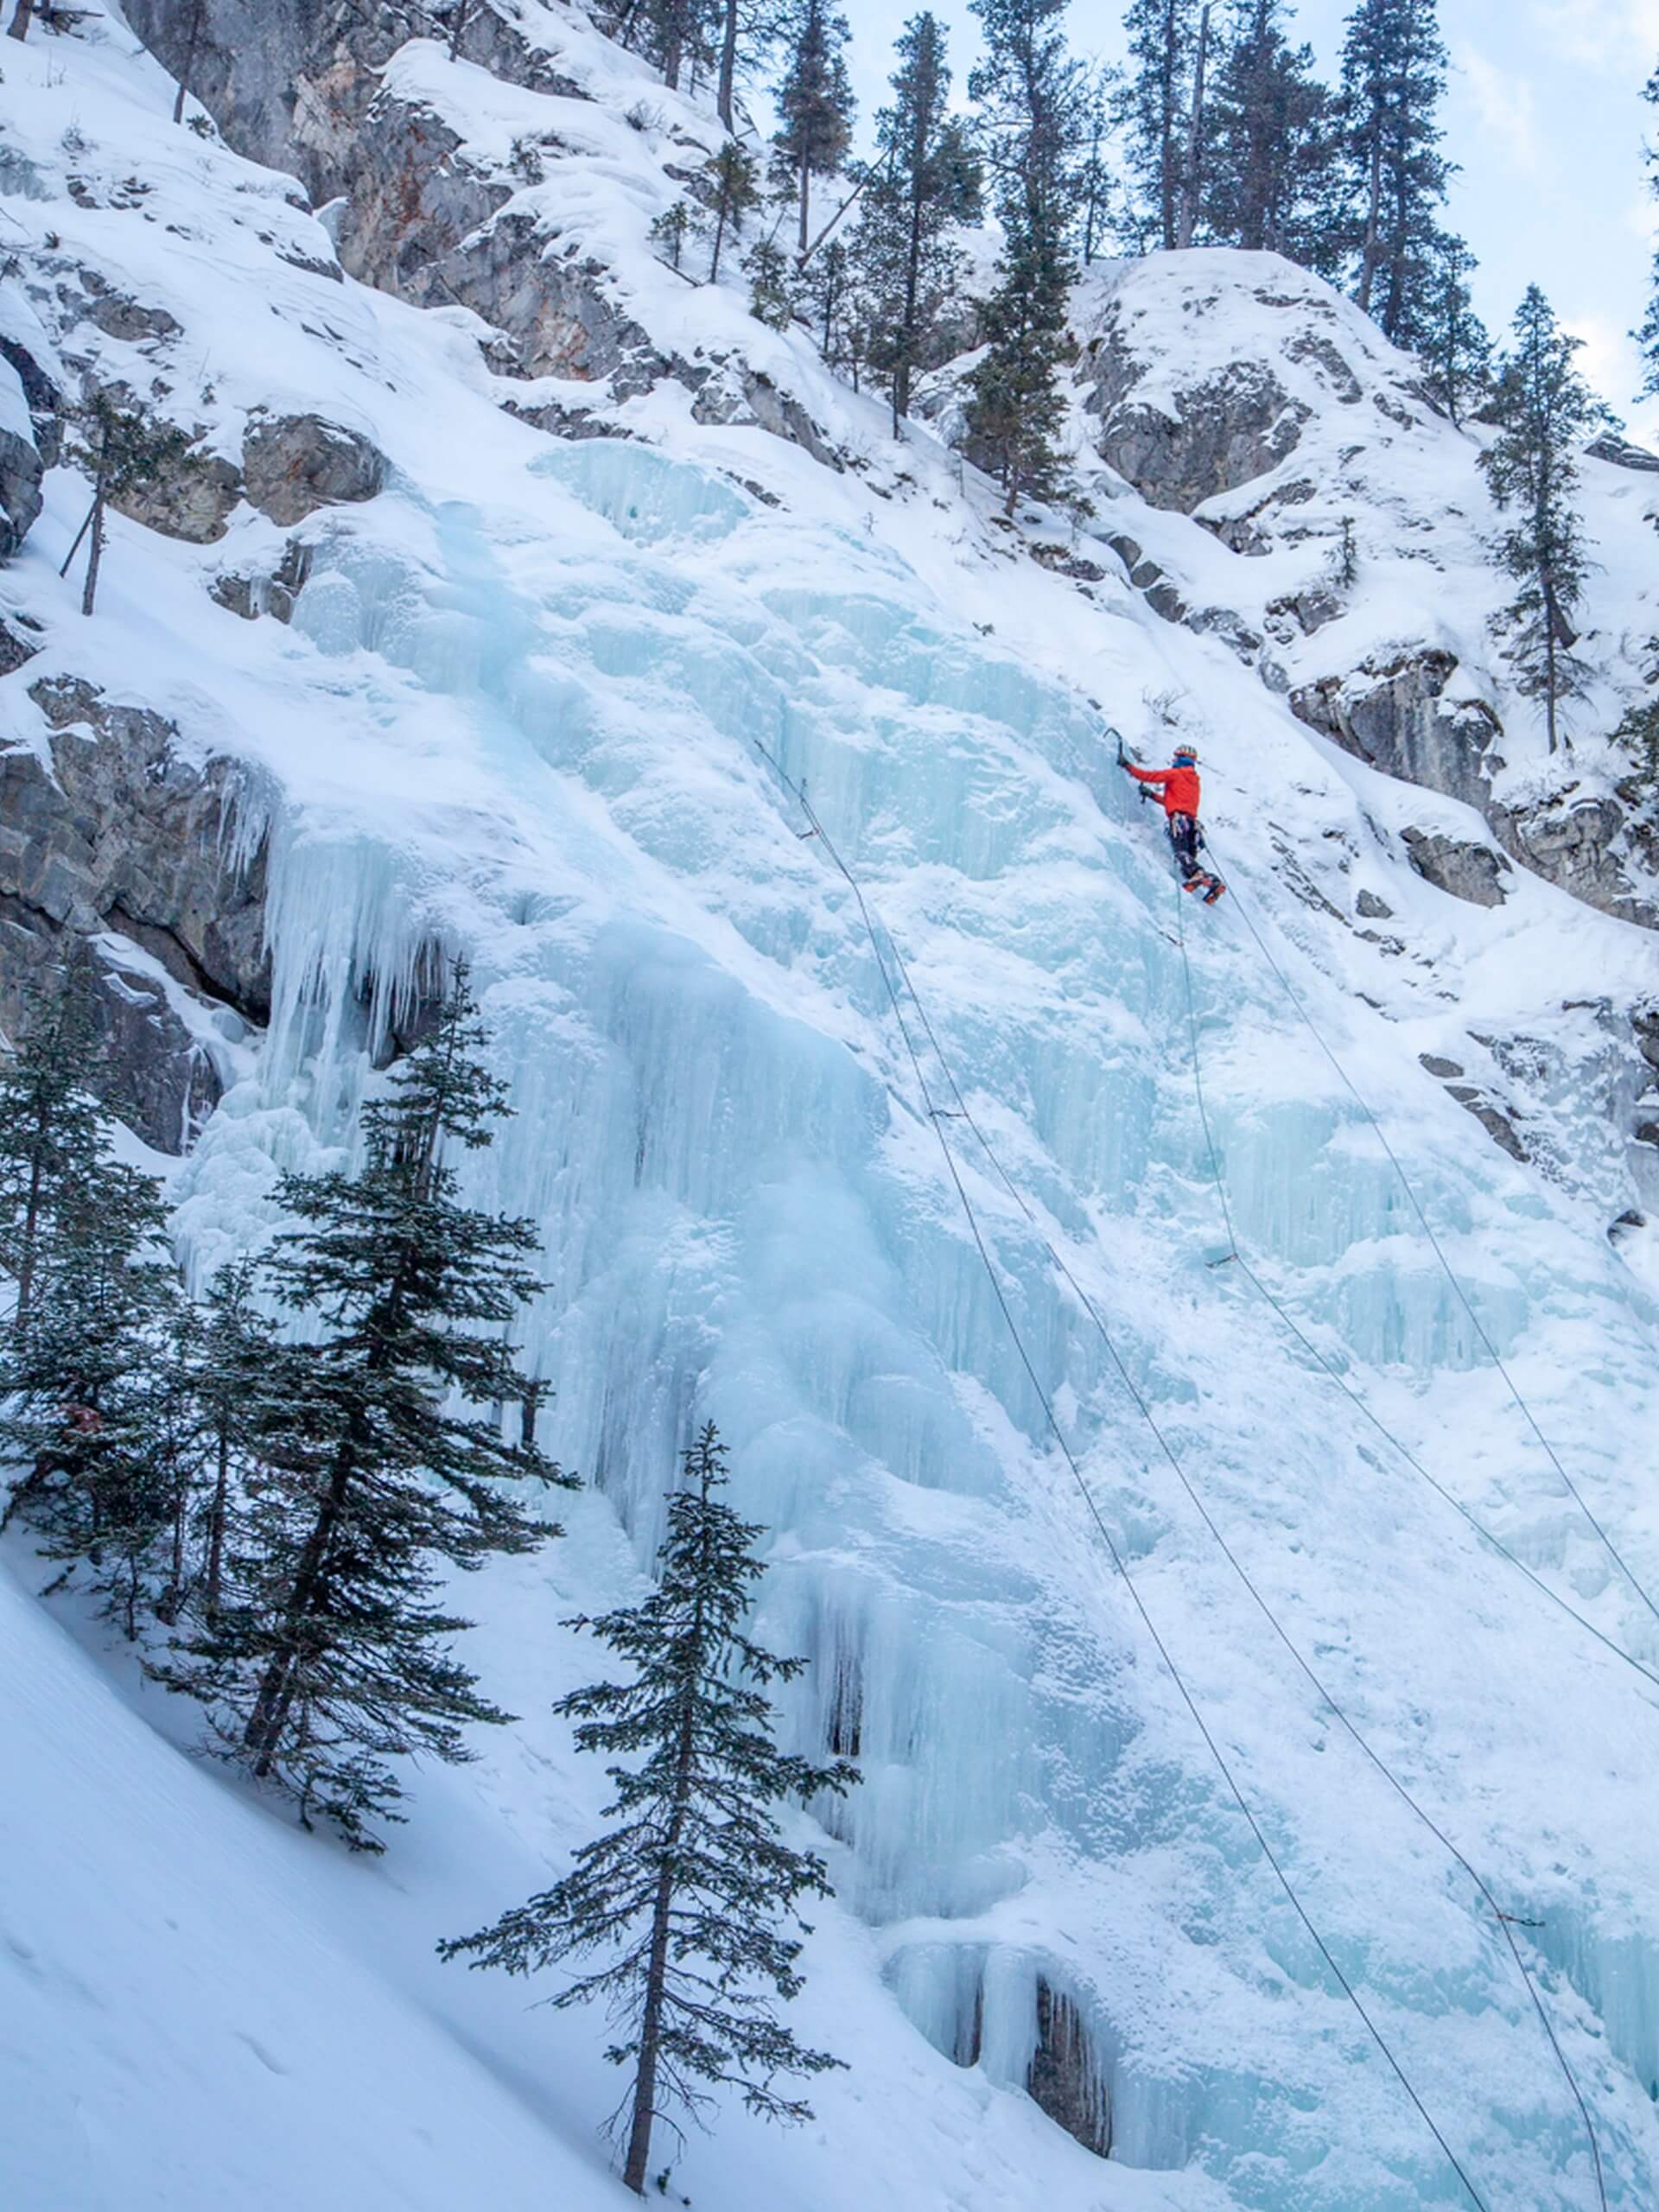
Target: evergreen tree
(733,192)
(684,1898)
(814,101)
(51,1125)
(1394,65)
(1033,115)
(1153,106)
(1647,336)
(1544,411)
(1455,348)
(381,1454)
(671,229)
(1095,176)
(1271,143)
(85,1374)
(122,452)
(230,1370)
(767,265)
(826,290)
(926,181)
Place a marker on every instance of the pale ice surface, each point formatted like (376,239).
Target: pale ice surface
(519,713)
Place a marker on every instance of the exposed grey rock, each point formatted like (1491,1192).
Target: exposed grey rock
(1373,909)
(42,396)
(1578,843)
(1622,453)
(166,1082)
(21,467)
(1228,430)
(1394,714)
(1647,1133)
(1466,870)
(289,81)
(275,593)
(124,833)
(1497,1124)
(1443,1068)
(294,464)
(1065,2077)
(735,393)
(20,640)
(191,497)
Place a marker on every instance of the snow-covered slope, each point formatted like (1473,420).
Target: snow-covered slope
(543,698)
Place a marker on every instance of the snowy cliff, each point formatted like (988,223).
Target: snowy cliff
(401,663)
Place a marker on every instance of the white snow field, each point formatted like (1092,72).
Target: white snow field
(519,712)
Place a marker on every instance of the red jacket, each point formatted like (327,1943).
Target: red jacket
(1181,791)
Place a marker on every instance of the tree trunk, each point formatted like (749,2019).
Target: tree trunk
(1193,164)
(95,555)
(806,186)
(188,67)
(1549,660)
(458,27)
(269,1715)
(215,1570)
(726,102)
(673,56)
(1373,216)
(720,234)
(22,18)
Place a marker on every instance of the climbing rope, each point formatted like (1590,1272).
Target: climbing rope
(937,1115)
(1505,1921)
(1452,1276)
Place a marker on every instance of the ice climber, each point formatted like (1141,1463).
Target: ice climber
(1179,793)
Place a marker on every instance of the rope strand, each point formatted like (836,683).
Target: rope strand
(936,1116)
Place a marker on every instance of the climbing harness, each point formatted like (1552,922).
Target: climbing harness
(938,1115)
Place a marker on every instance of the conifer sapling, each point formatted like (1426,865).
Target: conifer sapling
(685,1899)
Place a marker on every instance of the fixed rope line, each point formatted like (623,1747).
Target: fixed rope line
(1452,1276)
(1505,1921)
(935,1115)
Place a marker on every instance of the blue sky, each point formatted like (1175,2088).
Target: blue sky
(1545,114)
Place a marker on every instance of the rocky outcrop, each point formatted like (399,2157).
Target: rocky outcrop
(191,497)
(123,835)
(21,466)
(1394,714)
(1579,844)
(288,82)
(1063,2078)
(294,464)
(1215,434)
(1453,864)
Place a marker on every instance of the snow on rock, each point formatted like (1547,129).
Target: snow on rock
(549,699)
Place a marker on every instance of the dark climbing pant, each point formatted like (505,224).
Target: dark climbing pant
(1183,839)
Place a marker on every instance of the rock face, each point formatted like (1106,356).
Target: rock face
(294,464)
(288,82)
(21,466)
(1063,2078)
(126,836)
(1223,431)
(1579,843)
(191,497)
(1394,714)
(1467,871)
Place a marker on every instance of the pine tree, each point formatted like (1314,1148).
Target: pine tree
(1033,116)
(1394,64)
(86,1368)
(381,1453)
(120,451)
(926,181)
(1094,175)
(1272,144)
(815,100)
(1153,107)
(671,230)
(1647,336)
(826,287)
(684,1898)
(768,268)
(51,1124)
(231,1371)
(1544,411)
(1455,348)
(734,191)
